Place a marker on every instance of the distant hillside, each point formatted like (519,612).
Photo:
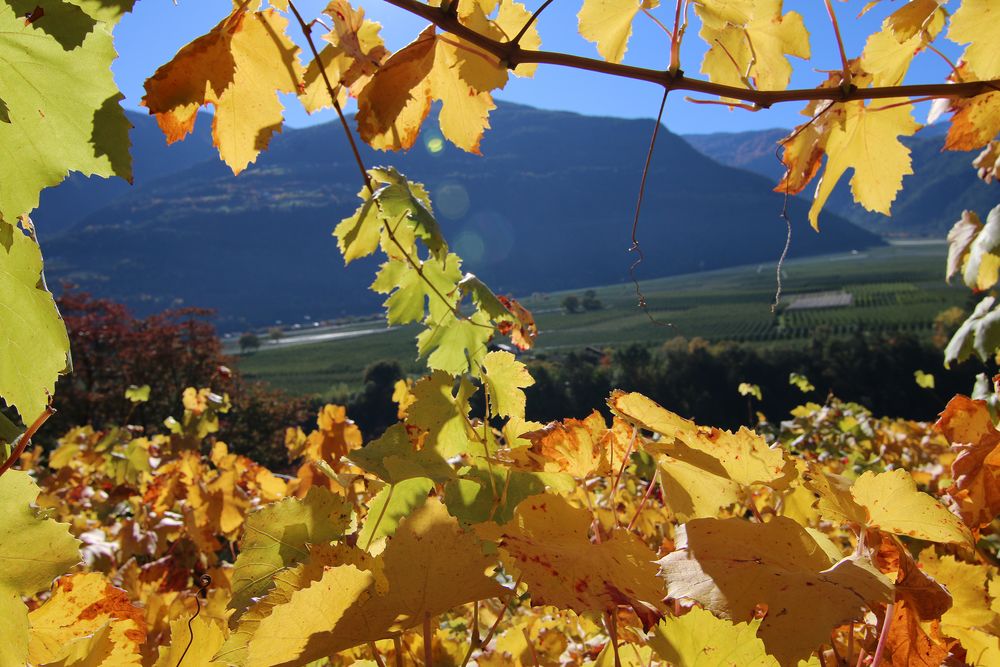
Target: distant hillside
(933,198)
(79,196)
(548,207)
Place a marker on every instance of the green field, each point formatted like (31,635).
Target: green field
(898,288)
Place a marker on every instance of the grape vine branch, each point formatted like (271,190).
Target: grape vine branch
(512,55)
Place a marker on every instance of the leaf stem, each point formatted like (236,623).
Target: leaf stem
(307,33)
(645,497)
(428,648)
(22,442)
(375,656)
(840,42)
(621,470)
(530,21)
(675,38)
(496,623)
(883,637)
(378,519)
(612,625)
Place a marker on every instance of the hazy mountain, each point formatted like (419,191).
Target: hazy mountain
(79,196)
(549,207)
(933,198)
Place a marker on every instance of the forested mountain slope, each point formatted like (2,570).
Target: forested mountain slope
(548,206)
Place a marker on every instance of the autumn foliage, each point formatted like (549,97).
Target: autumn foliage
(460,535)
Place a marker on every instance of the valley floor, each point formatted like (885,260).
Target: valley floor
(897,288)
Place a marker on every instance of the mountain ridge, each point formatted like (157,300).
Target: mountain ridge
(932,200)
(549,208)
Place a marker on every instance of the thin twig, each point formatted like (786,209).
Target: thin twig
(840,42)
(513,55)
(658,22)
(22,442)
(530,21)
(724,103)
(954,69)
(203,583)
(635,220)
(307,33)
(784,253)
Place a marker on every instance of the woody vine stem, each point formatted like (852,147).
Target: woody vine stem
(512,55)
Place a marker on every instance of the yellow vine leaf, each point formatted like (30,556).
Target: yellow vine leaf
(750,46)
(912,18)
(895,506)
(394,457)
(336,435)
(34,347)
(314,95)
(548,542)
(833,496)
(987,163)
(509,20)
(390,505)
(977,23)
(205,637)
(608,23)
(976,120)
(971,614)
(353,55)
(960,238)
(736,569)
(354,603)
(887,58)
(868,142)
(908,644)
(700,639)
(322,557)
(441,408)
(82,604)
(395,103)
(967,424)
(743,457)
(238,67)
(695,487)
(925,596)
(578,447)
(33,552)
(982,263)
(505,377)
(276,537)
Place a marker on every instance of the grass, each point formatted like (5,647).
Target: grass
(898,288)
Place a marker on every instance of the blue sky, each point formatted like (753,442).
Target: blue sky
(156,29)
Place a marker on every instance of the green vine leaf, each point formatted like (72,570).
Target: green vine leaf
(62,104)
(34,348)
